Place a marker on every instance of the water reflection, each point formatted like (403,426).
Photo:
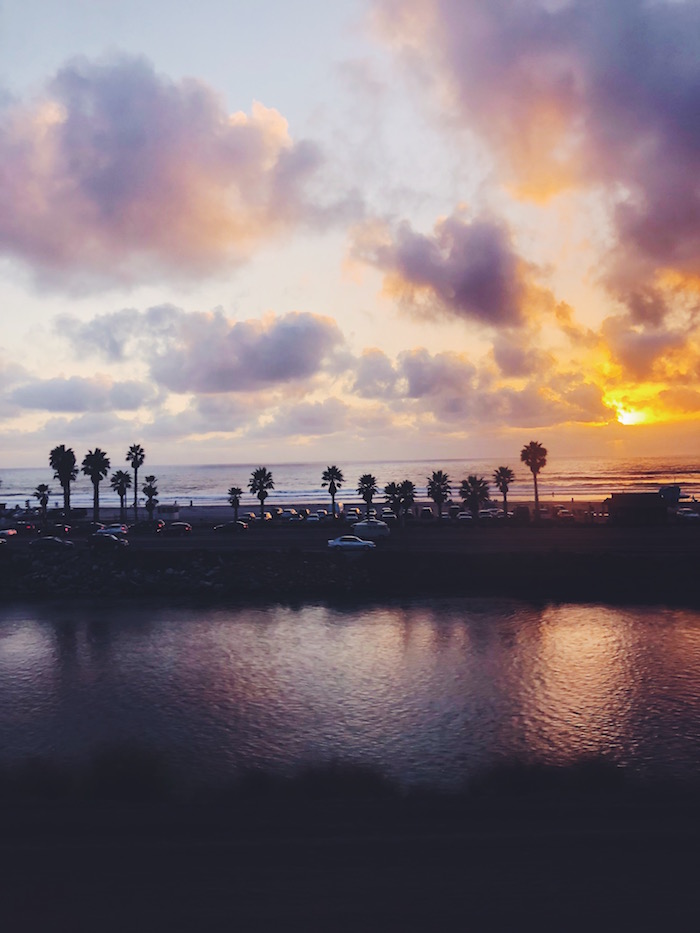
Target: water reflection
(430,691)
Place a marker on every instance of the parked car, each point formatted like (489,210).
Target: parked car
(147,527)
(87,528)
(8,533)
(350,543)
(565,517)
(372,528)
(426,513)
(58,531)
(313,519)
(25,528)
(231,528)
(50,543)
(687,515)
(464,517)
(102,542)
(119,531)
(177,529)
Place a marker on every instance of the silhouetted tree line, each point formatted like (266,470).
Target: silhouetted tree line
(96,465)
(400,496)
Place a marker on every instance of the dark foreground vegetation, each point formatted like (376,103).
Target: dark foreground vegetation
(596,563)
(119,846)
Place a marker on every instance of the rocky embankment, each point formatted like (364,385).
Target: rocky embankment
(630,574)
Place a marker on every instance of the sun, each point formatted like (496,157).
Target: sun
(631,416)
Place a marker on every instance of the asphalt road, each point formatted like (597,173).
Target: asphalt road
(446,536)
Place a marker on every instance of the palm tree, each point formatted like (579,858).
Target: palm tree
(42,493)
(95,465)
(65,469)
(407,491)
(135,455)
(392,495)
(475,492)
(234,499)
(334,479)
(503,477)
(120,481)
(534,455)
(367,489)
(150,491)
(259,483)
(439,489)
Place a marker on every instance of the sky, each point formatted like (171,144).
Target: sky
(253,230)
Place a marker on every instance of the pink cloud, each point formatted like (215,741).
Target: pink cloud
(119,174)
(581,92)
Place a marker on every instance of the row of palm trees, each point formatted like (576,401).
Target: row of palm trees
(400,497)
(96,465)
(474,490)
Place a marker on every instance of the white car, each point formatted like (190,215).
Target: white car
(372,528)
(350,543)
(687,515)
(119,531)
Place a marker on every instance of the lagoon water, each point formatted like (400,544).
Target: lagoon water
(426,692)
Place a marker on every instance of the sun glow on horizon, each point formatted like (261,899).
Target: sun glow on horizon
(630,416)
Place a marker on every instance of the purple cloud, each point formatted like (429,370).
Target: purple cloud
(118,174)
(465,269)
(78,394)
(582,92)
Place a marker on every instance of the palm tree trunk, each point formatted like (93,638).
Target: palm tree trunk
(122,508)
(95,502)
(66,502)
(537,499)
(136,494)
(262,505)
(235,512)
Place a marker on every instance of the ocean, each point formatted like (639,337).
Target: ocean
(583,480)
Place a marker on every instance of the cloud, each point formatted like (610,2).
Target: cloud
(209,353)
(515,358)
(375,375)
(78,394)
(117,174)
(638,348)
(584,93)
(466,269)
(460,394)
(306,420)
